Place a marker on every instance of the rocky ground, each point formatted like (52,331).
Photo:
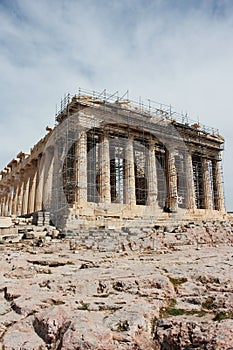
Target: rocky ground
(55,297)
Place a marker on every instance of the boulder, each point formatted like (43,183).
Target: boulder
(5,222)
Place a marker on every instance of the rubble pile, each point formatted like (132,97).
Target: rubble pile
(16,229)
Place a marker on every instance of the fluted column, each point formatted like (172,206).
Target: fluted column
(20,194)
(219,201)
(81,169)
(207,193)
(172,191)
(105,187)
(10,200)
(32,187)
(48,178)
(190,201)
(130,195)
(7,204)
(13,203)
(15,197)
(152,176)
(4,205)
(39,185)
(1,202)
(26,192)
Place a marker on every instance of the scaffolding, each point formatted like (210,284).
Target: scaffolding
(99,113)
(109,152)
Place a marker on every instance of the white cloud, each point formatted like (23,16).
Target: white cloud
(177,52)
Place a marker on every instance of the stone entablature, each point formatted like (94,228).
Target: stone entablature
(112,159)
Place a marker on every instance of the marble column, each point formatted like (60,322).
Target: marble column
(2,205)
(26,192)
(207,193)
(172,192)
(20,194)
(15,197)
(104,166)
(48,178)
(81,169)
(152,176)
(32,187)
(219,201)
(39,184)
(11,193)
(7,198)
(1,202)
(130,194)
(6,202)
(190,201)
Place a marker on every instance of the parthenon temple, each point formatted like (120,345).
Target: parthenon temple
(108,159)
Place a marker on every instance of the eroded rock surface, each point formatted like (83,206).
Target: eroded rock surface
(55,298)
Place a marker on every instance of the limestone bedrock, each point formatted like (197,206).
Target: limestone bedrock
(55,298)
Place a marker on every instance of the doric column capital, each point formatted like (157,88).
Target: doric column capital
(151,144)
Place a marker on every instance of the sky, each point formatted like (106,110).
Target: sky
(177,52)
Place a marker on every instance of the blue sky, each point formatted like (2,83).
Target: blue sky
(176,52)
